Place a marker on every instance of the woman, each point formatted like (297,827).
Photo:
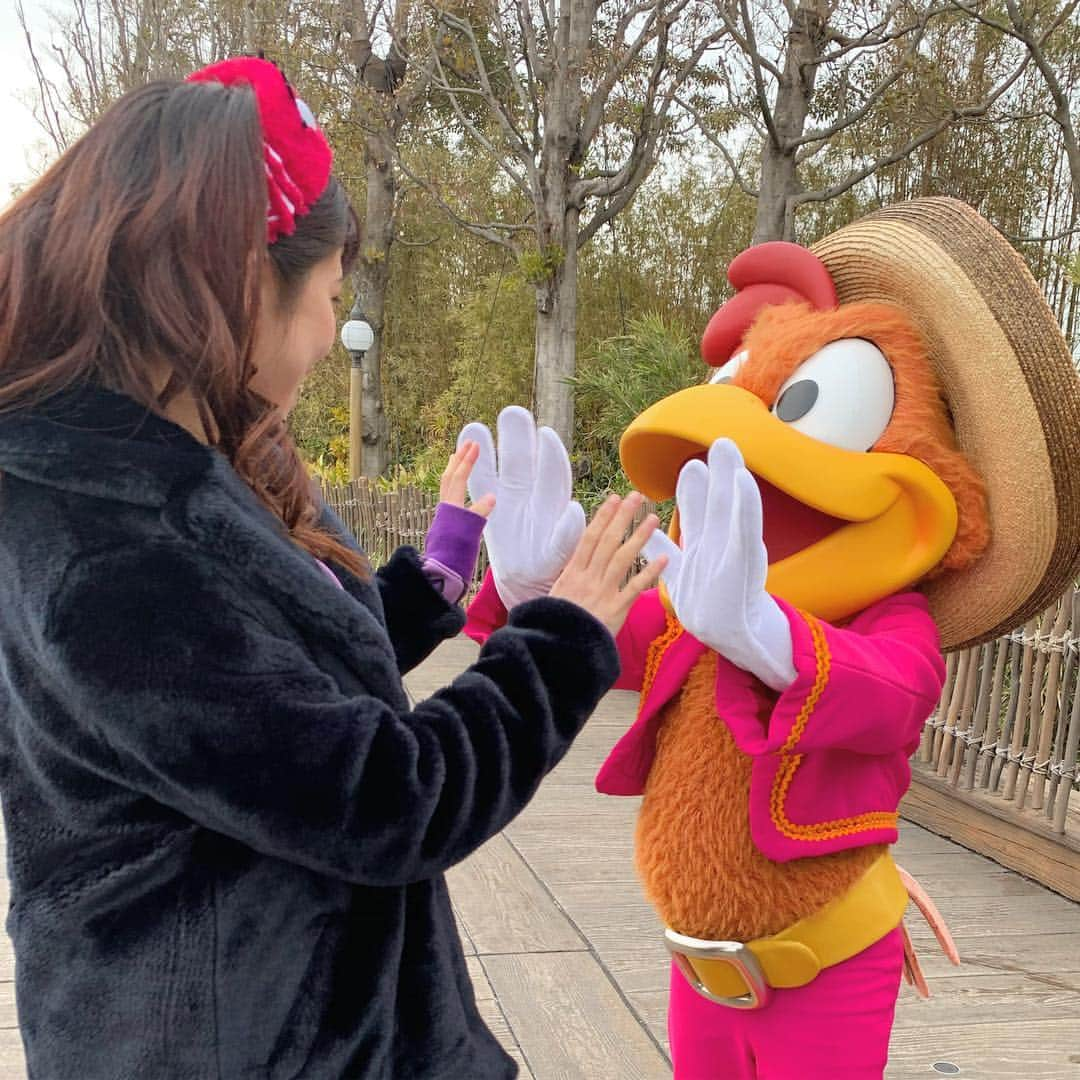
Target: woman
(227,831)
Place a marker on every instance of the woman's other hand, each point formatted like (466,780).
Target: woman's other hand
(596,577)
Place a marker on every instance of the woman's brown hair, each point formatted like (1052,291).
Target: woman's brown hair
(143,249)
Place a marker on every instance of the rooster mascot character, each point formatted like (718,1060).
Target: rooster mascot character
(884,463)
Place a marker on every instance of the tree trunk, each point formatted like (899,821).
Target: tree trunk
(372,277)
(250,28)
(556,335)
(779,172)
(779,181)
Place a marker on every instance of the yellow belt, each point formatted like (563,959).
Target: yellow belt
(741,974)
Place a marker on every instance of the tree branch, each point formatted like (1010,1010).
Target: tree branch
(644,138)
(714,140)
(51,124)
(846,121)
(1062,113)
(972,12)
(759,80)
(399,239)
(529,102)
(873,38)
(539,70)
(495,232)
(594,111)
(406,99)
(1022,31)
(522,152)
(744,43)
(929,132)
(1063,235)
(547,13)
(621,188)
(514,137)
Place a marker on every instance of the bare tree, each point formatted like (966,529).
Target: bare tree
(92,55)
(1048,35)
(1036,29)
(386,91)
(97,50)
(777,56)
(546,89)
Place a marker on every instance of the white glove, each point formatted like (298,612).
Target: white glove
(535,526)
(716,580)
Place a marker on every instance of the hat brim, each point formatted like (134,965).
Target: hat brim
(1010,384)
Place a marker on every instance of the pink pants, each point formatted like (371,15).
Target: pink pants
(838,1025)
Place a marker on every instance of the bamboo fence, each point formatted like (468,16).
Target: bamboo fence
(382,521)
(1007,728)
(1008,725)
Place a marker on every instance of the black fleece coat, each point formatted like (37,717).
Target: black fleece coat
(227,830)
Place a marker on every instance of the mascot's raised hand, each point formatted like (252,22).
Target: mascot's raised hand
(535,526)
(716,580)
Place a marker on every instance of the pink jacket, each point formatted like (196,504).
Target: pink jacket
(830,754)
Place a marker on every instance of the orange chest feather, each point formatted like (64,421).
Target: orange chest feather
(695,854)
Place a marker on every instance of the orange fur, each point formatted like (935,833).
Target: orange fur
(697,860)
(783,337)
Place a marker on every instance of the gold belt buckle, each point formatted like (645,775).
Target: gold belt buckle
(735,953)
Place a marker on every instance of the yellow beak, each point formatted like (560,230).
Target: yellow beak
(895,517)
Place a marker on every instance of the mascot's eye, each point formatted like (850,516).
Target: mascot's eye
(842,395)
(797,400)
(726,372)
(307,117)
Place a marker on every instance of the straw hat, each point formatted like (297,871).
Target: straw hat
(1012,388)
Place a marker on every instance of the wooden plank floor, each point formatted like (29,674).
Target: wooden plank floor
(571,974)
(564,870)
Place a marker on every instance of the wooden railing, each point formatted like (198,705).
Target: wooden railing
(1009,719)
(1005,741)
(384,520)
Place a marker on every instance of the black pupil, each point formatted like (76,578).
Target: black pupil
(797,400)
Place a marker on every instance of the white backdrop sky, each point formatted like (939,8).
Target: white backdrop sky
(22,146)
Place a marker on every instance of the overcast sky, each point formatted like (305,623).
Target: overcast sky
(19,133)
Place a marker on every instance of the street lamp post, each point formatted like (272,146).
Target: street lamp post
(357,337)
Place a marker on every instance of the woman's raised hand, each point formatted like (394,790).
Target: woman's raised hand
(454,481)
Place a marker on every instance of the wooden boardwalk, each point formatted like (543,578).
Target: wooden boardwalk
(571,974)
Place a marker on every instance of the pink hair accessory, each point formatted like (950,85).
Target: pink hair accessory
(296,155)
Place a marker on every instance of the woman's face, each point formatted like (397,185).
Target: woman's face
(288,345)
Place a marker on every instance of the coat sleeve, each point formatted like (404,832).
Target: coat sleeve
(645,622)
(868,687)
(418,617)
(195,703)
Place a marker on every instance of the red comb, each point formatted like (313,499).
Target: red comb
(296,155)
(772,273)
